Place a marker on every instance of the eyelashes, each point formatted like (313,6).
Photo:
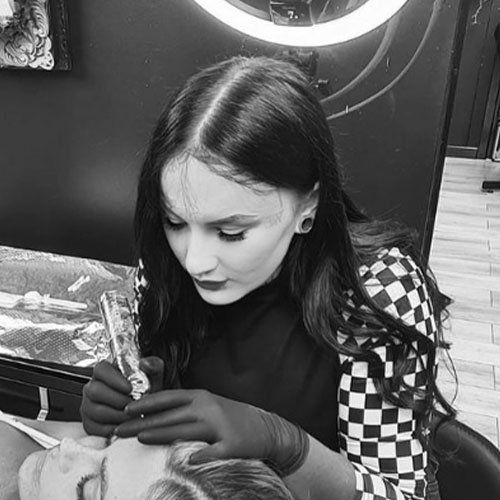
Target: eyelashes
(81,485)
(232,237)
(222,235)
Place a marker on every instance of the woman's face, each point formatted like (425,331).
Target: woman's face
(229,238)
(90,469)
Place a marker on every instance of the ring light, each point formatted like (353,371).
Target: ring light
(365,18)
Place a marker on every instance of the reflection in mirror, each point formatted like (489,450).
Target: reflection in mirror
(303,23)
(298,12)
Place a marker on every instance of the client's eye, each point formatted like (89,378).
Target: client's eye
(89,487)
(81,486)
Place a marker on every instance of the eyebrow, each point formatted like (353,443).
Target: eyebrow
(103,475)
(231,219)
(236,218)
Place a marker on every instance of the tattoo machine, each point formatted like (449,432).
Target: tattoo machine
(120,328)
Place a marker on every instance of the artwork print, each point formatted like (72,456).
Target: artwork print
(34,35)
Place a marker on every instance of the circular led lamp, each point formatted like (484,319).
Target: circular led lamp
(364,19)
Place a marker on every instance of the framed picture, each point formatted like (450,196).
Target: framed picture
(34,35)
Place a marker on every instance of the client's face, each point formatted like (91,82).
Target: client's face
(91,468)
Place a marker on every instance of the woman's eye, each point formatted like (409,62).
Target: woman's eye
(232,236)
(174,226)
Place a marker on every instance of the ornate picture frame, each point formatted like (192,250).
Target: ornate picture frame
(36,36)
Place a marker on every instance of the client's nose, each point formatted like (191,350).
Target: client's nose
(71,451)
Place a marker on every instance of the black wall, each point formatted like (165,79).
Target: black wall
(71,143)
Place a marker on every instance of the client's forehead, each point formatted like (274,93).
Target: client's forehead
(132,468)
(131,447)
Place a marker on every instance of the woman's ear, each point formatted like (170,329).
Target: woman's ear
(308,209)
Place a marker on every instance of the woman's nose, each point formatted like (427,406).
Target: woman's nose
(200,260)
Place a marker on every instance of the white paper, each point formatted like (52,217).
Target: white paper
(40,437)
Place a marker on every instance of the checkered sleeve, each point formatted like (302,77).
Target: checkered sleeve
(377,437)
(140,284)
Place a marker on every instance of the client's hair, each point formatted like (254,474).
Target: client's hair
(233,479)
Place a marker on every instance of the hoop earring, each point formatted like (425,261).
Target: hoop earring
(306,225)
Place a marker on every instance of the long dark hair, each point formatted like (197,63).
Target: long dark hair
(256,120)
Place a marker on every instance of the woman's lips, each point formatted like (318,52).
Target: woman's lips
(210,285)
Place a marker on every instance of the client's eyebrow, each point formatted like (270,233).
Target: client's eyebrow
(103,475)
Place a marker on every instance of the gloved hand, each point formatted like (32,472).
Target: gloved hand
(231,429)
(107,394)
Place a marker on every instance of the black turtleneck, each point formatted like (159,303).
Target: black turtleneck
(258,351)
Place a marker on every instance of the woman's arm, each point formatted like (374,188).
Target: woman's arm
(379,440)
(377,437)
(325,475)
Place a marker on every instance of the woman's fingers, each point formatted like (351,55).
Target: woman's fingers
(111,376)
(102,413)
(99,392)
(96,429)
(172,417)
(195,431)
(159,401)
(104,399)
(216,451)
(154,368)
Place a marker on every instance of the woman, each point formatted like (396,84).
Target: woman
(291,327)
(93,467)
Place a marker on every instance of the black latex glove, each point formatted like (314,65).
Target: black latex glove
(231,429)
(107,394)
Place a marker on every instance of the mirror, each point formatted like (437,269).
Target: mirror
(315,11)
(303,23)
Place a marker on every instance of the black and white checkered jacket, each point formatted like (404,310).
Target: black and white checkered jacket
(377,437)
